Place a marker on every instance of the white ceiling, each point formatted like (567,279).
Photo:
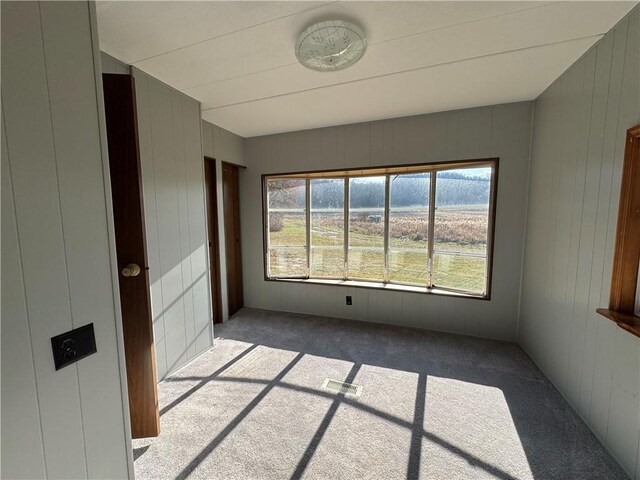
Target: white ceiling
(238,58)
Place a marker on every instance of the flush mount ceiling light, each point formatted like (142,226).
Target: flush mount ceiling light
(331,45)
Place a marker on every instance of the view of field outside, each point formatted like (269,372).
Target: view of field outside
(327,228)
(409,227)
(287,231)
(366,228)
(460,229)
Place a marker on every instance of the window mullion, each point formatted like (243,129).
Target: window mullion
(346,228)
(307,210)
(430,233)
(386,229)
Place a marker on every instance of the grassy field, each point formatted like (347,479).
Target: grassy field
(458,230)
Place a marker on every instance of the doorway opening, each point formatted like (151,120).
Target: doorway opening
(233,247)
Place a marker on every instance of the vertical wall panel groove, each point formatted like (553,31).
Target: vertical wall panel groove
(143,100)
(22,430)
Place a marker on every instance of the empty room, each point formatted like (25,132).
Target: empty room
(320,240)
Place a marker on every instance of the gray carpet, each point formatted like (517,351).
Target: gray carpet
(433,406)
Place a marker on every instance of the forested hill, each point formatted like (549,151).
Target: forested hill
(453,188)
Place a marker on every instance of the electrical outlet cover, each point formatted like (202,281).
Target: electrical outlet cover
(72,346)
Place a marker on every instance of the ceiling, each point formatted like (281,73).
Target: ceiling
(238,58)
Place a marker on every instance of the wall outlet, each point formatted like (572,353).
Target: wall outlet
(349,301)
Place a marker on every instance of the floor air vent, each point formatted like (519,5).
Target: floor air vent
(341,387)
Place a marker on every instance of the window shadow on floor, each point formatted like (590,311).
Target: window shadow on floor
(556,443)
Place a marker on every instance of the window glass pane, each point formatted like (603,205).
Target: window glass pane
(287,227)
(408,227)
(287,262)
(461,228)
(327,228)
(366,228)
(459,272)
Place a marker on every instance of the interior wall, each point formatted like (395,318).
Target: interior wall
(58,262)
(577,157)
(495,131)
(175,221)
(223,146)
(177,245)
(113,65)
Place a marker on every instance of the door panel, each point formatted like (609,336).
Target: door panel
(128,213)
(231,190)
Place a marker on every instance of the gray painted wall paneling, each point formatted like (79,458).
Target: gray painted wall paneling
(173,189)
(577,154)
(56,251)
(502,131)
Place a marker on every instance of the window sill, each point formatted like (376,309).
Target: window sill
(630,323)
(381,286)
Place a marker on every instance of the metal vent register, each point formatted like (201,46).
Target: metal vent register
(342,387)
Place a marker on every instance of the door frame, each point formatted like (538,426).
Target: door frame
(213,236)
(239,272)
(113,260)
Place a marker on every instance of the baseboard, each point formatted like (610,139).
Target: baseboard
(187,363)
(373,322)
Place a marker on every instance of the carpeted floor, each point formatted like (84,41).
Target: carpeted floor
(432,406)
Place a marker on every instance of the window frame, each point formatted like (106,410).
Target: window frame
(385,171)
(625,276)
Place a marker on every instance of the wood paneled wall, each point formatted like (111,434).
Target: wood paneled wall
(577,157)
(58,261)
(173,187)
(496,131)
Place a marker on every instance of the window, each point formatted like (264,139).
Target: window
(421,226)
(624,299)
(287,228)
(327,228)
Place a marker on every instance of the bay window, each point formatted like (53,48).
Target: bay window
(425,227)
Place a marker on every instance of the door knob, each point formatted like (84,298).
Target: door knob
(131,270)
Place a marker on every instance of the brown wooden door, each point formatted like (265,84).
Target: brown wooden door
(128,215)
(214,251)
(231,189)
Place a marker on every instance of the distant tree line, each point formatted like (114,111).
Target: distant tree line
(453,188)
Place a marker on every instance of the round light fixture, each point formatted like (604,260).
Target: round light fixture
(331,45)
